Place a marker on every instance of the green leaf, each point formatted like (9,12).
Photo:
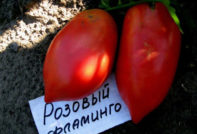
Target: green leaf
(175,17)
(166,2)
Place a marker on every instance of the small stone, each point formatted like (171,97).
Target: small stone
(14,46)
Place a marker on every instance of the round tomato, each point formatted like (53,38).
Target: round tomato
(148,57)
(80,57)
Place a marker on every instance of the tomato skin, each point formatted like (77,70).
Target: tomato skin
(80,57)
(148,57)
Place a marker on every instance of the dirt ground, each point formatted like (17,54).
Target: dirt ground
(26,30)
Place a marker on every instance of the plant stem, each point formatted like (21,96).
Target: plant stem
(130,4)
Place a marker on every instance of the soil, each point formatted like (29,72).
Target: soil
(26,30)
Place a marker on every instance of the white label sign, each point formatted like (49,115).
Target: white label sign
(96,113)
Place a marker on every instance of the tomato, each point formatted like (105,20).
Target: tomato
(80,57)
(148,57)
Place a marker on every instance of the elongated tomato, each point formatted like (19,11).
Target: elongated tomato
(80,57)
(148,56)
